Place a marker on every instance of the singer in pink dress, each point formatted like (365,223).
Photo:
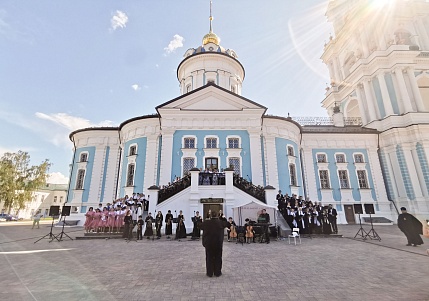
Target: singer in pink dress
(120,214)
(104,220)
(89,217)
(96,221)
(111,221)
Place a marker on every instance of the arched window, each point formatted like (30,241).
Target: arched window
(292,173)
(324,179)
(130,175)
(235,163)
(83,157)
(80,178)
(188,164)
(133,150)
(290,151)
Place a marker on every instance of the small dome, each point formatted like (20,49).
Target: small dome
(211,37)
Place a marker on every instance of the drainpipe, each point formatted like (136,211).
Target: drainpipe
(119,165)
(71,171)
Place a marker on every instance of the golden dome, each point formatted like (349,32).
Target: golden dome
(211,37)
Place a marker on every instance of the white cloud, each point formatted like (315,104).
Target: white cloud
(175,43)
(57,178)
(72,122)
(119,20)
(156,65)
(136,87)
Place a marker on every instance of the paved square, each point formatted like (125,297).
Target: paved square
(318,269)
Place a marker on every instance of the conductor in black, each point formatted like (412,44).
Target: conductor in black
(213,235)
(264,218)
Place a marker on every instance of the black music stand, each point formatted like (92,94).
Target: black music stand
(369,209)
(53,211)
(361,232)
(64,213)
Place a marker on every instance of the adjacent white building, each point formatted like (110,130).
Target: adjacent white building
(372,150)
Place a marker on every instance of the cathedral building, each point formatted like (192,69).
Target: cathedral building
(221,150)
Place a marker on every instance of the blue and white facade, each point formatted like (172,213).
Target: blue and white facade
(380,158)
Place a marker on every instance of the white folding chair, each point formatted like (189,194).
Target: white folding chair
(294,235)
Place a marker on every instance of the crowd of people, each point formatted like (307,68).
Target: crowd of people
(309,217)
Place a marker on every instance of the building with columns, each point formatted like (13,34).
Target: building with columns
(373,148)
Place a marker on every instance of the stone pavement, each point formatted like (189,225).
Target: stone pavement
(318,269)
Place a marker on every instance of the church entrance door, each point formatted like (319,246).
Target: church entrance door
(212,207)
(350,214)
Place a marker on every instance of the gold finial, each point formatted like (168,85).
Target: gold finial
(211,37)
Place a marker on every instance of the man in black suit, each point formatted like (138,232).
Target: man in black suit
(213,234)
(332,218)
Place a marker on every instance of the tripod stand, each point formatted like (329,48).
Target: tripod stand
(62,232)
(361,232)
(50,234)
(372,234)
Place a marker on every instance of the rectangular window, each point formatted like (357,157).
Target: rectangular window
(324,179)
(188,164)
(340,158)
(55,199)
(211,142)
(363,182)
(321,158)
(235,163)
(133,150)
(61,199)
(83,157)
(344,179)
(130,175)
(189,143)
(290,151)
(233,143)
(292,174)
(359,159)
(80,178)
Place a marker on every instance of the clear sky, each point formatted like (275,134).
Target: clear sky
(71,64)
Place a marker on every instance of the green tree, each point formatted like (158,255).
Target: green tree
(18,180)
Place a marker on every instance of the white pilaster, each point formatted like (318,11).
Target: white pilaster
(405,98)
(150,164)
(166,158)
(385,94)
(256,158)
(411,164)
(416,91)
(370,100)
(362,107)
(271,161)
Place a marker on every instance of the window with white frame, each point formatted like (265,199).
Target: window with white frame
(133,150)
(189,143)
(233,143)
(83,157)
(61,199)
(340,158)
(80,178)
(321,158)
(211,81)
(344,179)
(290,151)
(188,164)
(324,179)
(292,173)
(235,163)
(233,89)
(55,199)
(211,142)
(362,179)
(130,175)
(188,88)
(359,158)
